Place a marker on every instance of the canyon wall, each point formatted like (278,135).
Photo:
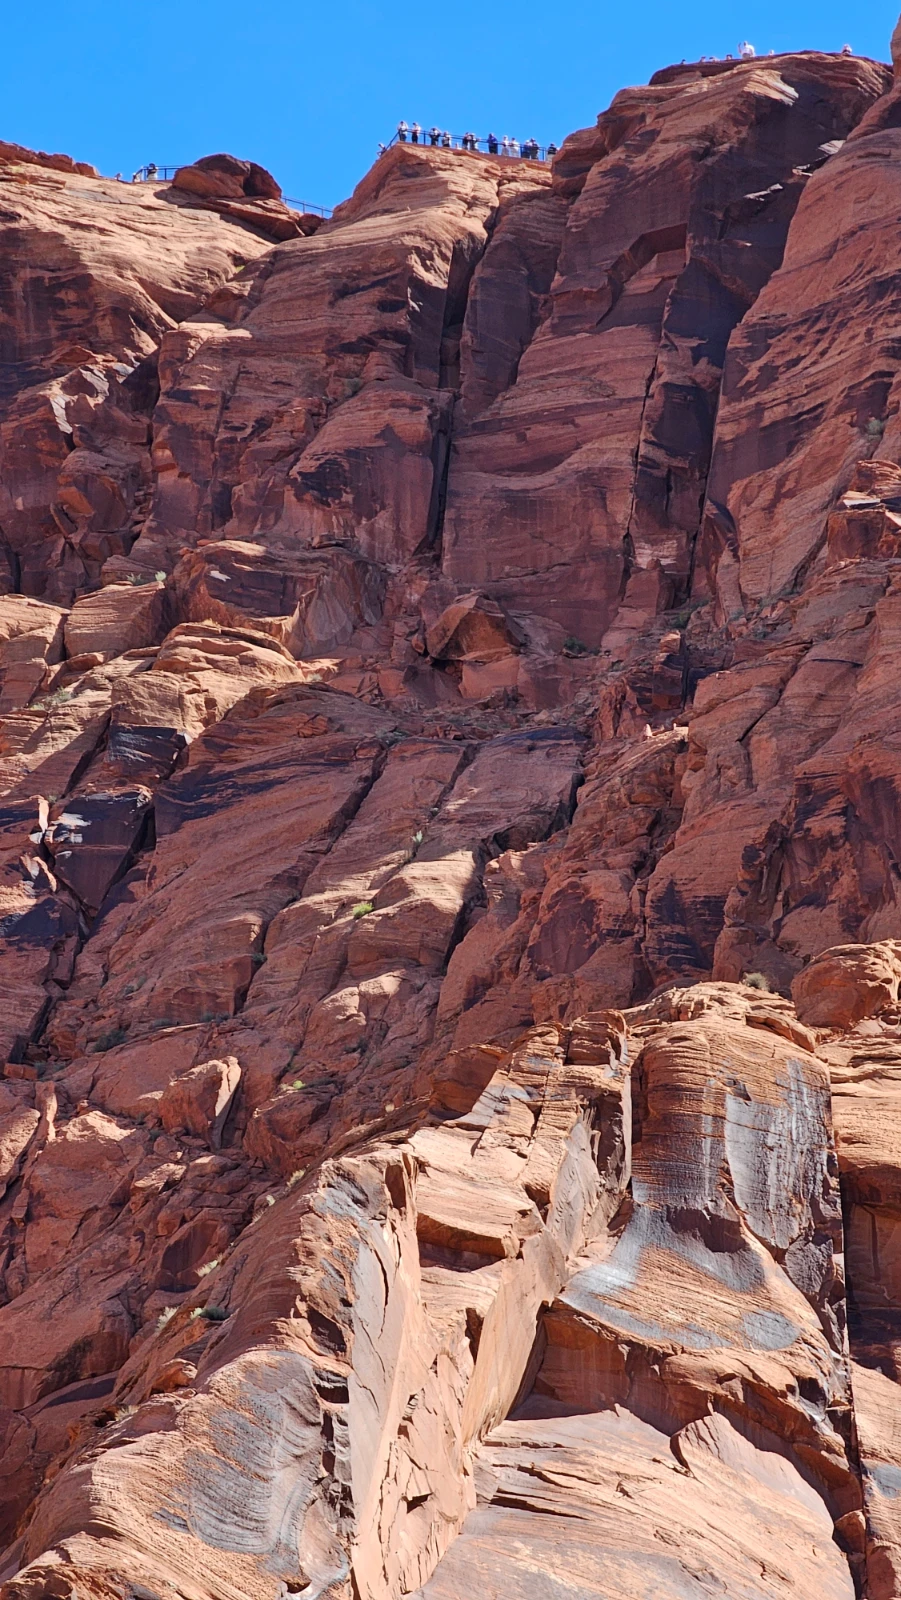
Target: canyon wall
(450,865)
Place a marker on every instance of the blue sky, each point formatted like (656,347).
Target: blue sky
(309,90)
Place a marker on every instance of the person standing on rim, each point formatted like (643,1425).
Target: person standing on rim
(415,131)
(402,131)
(492,144)
(434,134)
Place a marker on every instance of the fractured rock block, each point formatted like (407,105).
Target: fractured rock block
(847,983)
(117,618)
(199,1100)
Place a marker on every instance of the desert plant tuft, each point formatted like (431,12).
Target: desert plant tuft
(165,1317)
(121,1412)
(362,909)
(109,1040)
(208,1267)
(574,647)
(295,1177)
(757,980)
(56,697)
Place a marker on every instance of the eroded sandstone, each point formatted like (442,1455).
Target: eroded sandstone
(450,939)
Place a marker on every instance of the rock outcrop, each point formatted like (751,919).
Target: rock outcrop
(450,927)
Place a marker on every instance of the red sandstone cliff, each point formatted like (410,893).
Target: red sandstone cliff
(444,653)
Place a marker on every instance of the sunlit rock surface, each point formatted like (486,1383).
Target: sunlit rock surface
(450,927)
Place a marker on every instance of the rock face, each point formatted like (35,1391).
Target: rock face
(450,928)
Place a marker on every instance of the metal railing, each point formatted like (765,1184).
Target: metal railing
(153,173)
(523,149)
(308,206)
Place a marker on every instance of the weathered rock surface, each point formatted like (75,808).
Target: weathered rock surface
(82,310)
(450,928)
(670,241)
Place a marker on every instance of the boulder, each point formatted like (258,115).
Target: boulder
(228,178)
(115,619)
(842,986)
(199,1100)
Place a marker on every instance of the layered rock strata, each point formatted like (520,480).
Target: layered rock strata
(450,940)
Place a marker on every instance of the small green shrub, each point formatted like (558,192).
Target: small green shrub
(757,980)
(56,697)
(362,909)
(109,1040)
(215,1313)
(139,579)
(876,427)
(575,647)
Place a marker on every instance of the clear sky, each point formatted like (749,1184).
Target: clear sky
(309,89)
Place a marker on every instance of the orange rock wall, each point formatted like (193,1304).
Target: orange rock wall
(450,937)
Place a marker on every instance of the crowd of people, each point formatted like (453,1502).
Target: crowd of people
(528,150)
